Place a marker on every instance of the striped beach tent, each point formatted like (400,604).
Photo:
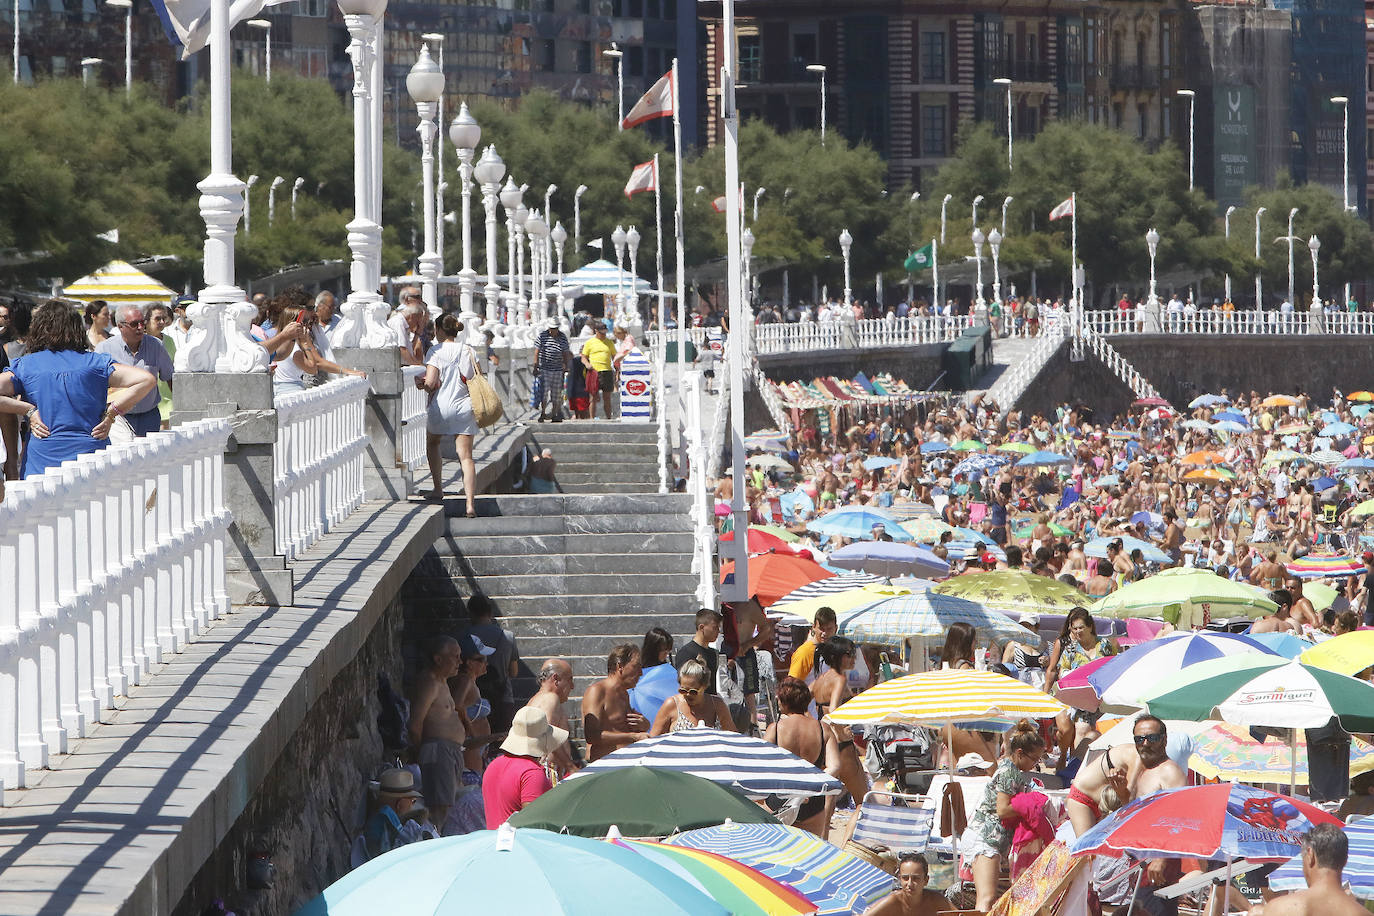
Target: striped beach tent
(1359,868)
(600,278)
(118,282)
(755,767)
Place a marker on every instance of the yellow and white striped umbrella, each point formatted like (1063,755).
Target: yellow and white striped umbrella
(937,697)
(116,282)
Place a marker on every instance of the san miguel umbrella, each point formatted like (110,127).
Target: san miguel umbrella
(750,765)
(889,559)
(1229,752)
(641,801)
(510,871)
(1122,679)
(1193,597)
(1359,866)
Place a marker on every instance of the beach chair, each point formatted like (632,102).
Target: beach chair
(895,821)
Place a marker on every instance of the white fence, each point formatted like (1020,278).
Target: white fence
(318,461)
(1012,383)
(414,404)
(1241,322)
(703,507)
(1119,365)
(107,564)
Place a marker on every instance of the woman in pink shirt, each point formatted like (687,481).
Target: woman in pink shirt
(518,776)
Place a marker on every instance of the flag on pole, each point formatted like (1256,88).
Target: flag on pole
(920,259)
(596,243)
(718,204)
(1064,209)
(656,103)
(187,22)
(643,178)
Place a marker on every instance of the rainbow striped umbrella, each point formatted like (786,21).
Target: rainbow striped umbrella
(939,697)
(1319,566)
(742,890)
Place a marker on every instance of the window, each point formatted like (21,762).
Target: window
(1142,128)
(1073,52)
(804,51)
(750,67)
(670,10)
(548,57)
(584,57)
(1092,108)
(933,57)
(1166,48)
(933,131)
(1118,115)
(634,60)
(315,8)
(636,9)
(653,10)
(1166,120)
(993,49)
(1090,41)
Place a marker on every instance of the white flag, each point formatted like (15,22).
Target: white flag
(187,22)
(1064,209)
(643,178)
(656,103)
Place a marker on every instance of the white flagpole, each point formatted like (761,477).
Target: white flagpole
(1073,256)
(739,589)
(935,266)
(659,362)
(679,237)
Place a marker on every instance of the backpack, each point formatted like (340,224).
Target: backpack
(394,720)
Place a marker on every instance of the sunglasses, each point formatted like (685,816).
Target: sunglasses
(1142,740)
(691,691)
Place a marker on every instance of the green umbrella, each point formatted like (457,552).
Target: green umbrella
(1021,448)
(1186,595)
(1015,590)
(967,445)
(641,801)
(1025,529)
(777,532)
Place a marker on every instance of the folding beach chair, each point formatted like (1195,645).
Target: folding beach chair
(895,821)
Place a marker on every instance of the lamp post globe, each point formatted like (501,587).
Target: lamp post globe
(490,168)
(510,194)
(1152,242)
(464,132)
(995,242)
(977,237)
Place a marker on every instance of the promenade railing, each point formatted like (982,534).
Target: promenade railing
(1240,322)
(108,563)
(318,461)
(414,407)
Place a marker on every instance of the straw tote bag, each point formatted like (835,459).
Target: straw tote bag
(486,406)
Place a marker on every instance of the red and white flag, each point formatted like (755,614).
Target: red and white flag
(656,103)
(643,178)
(718,204)
(1064,209)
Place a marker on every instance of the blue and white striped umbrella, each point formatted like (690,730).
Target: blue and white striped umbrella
(755,767)
(841,583)
(889,559)
(891,621)
(1097,547)
(856,522)
(980,464)
(934,448)
(1359,867)
(600,277)
(1231,426)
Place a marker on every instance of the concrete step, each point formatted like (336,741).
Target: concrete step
(680,623)
(571,544)
(600,487)
(627,586)
(611,476)
(565,605)
(603,504)
(558,563)
(596,431)
(459,527)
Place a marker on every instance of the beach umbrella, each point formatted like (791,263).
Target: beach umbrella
(1122,679)
(1014,591)
(967,445)
(1196,424)
(879,462)
(1364,508)
(1123,731)
(1285,644)
(825,587)
(1231,413)
(1229,752)
(967,550)
(1361,410)
(886,558)
(856,523)
(1192,596)
(1025,530)
(934,448)
(774,574)
(1292,428)
(510,871)
(1279,400)
(890,621)
(1339,428)
(766,440)
(749,765)
(1360,396)
(1225,820)
(1206,456)
(804,611)
(1209,400)
(1359,866)
(1210,475)
(1282,456)
(1357,464)
(1322,565)
(1231,426)
(744,891)
(948,695)
(759,541)
(1023,448)
(1097,547)
(769,463)
(1043,459)
(1348,653)
(906,509)
(792,855)
(1150,402)
(979,464)
(777,531)
(641,801)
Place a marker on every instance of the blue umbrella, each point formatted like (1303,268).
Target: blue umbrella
(1231,426)
(1324,483)
(934,448)
(1285,644)
(1232,414)
(795,501)
(1339,428)
(1209,400)
(1358,464)
(856,522)
(980,464)
(1360,410)
(1111,480)
(655,686)
(968,548)
(1359,866)
(888,559)
(1151,519)
(510,871)
(877,462)
(1043,459)
(1098,548)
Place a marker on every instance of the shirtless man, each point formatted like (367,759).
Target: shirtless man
(1172,541)
(1279,621)
(608,722)
(436,728)
(1324,852)
(911,898)
(1303,613)
(555,684)
(1134,772)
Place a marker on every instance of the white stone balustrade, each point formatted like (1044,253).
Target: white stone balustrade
(113,560)
(318,461)
(1270,321)
(414,405)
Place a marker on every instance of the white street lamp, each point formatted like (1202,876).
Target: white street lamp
(1003,81)
(976,201)
(510,202)
(465,133)
(521,297)
(820,68)
(577,217)
(980,304)
(86,64)
(846,240)
(272,198)
(747,243)
(128,7)
(437,40)
(617,55)
(538,231)
(548,197)
(1226,233)
(558,235)
(247,200)
(1313,245)
(1344,102)
(943,204)
(757,195)
(995,242)
(1152,242)
(295,190)
(632,294)
(1259,269)
(266,26)
(618,240)
(488,173)
(16,42)
(425,84)
(1006,203)
(1291,294)
(1191,96)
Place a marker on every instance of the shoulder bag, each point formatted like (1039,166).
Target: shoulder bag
(486,406)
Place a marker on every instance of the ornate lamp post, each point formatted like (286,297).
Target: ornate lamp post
(632,294)
(577,217)
(488,173)
(558,235)
(1006,203)
(757,195)
(746,242)
(1006,84)
(944,204)
(295,191)
(1291,294)
(846,242)
(1226,233)
(247,201)
(618,56)
(265,25)
(465,133)
(510,200)
(979,303)
(618,240)
(1259,271)
(425,83)
(1314,245)
(976,201)
(1191,96)
(538,231)
(128,7)
(995,242)
(1152,242)
(521,299)
(820,69)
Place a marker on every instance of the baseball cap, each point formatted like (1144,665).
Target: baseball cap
(987,557)
(1367,555)
(472,647)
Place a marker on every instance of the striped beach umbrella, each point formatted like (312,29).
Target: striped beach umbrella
(1121,680)
(744,891)
(750,765)
(1229,752)
(601,277)
(906,509)
(118,282)
(1359,866)
(1015,591)
(778,850)
(889,622)
(938,697)
(1319,566)
(826,587)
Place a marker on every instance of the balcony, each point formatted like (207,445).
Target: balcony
(1135,76)
(1030,71)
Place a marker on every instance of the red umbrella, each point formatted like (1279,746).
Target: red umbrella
(774,574)
(1150,402)
(1074,690)
(759,541)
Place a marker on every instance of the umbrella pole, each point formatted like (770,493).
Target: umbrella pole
(1226,890)
(1135,888)
(1292,760)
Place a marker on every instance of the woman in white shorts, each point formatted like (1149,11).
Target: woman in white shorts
(447,369)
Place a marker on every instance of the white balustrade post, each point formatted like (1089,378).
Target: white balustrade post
(90,589)
(49,656)
(104,608)
(12,521)
(68,612)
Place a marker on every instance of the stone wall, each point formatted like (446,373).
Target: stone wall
(307,811)
(918,366)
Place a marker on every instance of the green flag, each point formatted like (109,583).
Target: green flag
(920,259)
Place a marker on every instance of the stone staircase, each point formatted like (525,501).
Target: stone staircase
(601,456)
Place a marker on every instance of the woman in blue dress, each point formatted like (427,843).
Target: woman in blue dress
(69,388)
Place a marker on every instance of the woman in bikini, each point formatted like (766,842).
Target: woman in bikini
(829,691)
(692,706)
(797,732)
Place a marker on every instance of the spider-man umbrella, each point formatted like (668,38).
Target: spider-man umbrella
(1219,821)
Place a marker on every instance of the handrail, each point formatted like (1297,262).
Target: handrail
(1248,322)
(1119,365)
(414,417)
(110,562)
(1013,383)
(703,512)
